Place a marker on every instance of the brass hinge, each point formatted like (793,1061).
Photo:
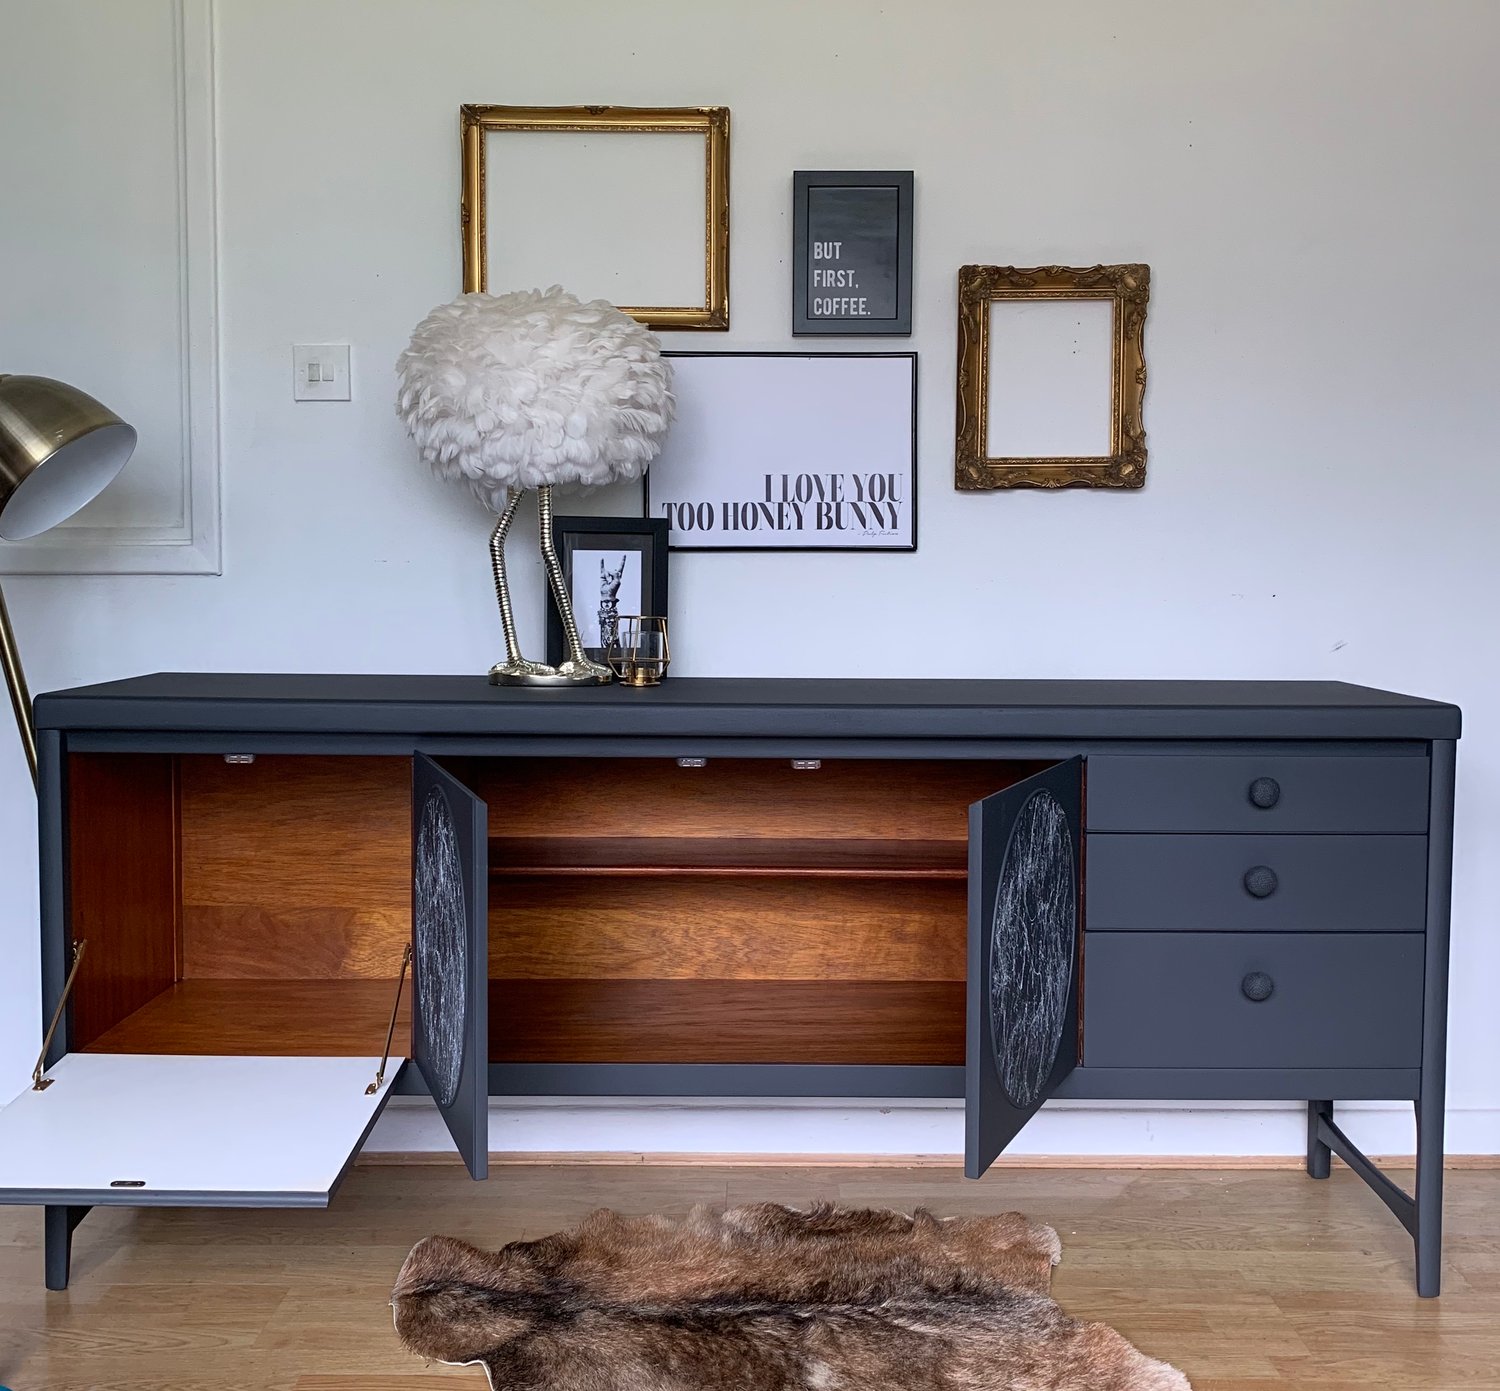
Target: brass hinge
(390,1033)
(40,1083)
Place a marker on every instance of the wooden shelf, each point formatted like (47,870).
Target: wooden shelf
(646,855)
(272,1018)
(641,1021)
(727,1021)
(727,927)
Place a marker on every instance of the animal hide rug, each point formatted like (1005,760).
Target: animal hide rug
(766,1298)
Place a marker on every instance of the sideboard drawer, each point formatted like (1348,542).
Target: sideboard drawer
(1189,999)
(1202,883)
(1378,794)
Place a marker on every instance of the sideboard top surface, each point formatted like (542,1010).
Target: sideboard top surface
(729,707)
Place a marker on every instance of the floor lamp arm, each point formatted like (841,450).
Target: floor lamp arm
(15,679)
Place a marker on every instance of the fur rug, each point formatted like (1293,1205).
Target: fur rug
(765,1298)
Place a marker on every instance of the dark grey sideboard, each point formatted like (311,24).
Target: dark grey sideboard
(1004,891)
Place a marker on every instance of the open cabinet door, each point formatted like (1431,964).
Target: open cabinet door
(155,1130)
(1024,920)
(450,957)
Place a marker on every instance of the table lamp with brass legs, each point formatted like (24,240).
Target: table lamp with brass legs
(59,449)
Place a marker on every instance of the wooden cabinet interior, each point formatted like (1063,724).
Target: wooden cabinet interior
(123,895)
(745,911)
(273,900)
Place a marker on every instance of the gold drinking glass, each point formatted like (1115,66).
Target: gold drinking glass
(639,653)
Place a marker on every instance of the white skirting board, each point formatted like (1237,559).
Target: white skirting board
(795,1127)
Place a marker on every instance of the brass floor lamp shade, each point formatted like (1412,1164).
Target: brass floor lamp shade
(59,449)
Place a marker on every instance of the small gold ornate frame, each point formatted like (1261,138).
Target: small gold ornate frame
(711,121)
(1128,287)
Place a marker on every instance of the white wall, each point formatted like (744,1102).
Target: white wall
(1312,182)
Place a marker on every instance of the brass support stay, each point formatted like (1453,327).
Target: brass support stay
(390,1032)
(40,1083)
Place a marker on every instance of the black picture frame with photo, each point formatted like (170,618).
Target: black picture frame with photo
(612,566)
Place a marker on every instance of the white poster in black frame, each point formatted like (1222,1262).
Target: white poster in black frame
(852,252)
(789,451)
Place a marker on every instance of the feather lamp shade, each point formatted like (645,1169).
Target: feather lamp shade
(533,388)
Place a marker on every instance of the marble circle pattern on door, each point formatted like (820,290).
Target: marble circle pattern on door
(1032,945)
(441,949)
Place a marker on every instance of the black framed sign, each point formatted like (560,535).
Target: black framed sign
(851,252)
(790,451)
(612,567)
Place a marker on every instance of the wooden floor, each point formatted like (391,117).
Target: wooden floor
(1244,1279)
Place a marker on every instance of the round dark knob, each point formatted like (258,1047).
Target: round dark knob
(1258,986)
(1265,792)
(1261,881)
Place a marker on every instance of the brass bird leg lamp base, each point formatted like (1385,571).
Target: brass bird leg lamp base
(517,670)
(576,666)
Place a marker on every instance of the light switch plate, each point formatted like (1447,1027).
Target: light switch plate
(320,371)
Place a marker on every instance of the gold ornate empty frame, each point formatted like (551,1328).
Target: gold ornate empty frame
(713,124)
(1127,288)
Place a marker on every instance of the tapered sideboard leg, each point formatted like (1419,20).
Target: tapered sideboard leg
(57,1242)
(1317,1152)
(1432,1092)
(1429,1233)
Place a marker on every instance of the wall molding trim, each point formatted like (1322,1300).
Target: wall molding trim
(190,544)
